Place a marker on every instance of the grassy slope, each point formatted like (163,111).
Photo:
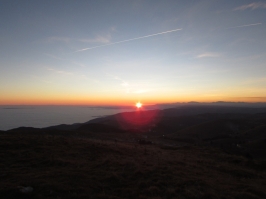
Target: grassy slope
(65,167)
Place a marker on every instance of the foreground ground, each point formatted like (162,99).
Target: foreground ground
(75,167)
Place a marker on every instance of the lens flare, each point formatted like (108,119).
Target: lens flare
(138,119)
(138,105)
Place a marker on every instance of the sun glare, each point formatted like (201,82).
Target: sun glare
(138,105)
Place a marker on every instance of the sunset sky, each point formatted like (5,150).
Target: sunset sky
(111,52)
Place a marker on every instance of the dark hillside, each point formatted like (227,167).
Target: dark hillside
(215,129)
(68,167)
(94,127)
(192,152)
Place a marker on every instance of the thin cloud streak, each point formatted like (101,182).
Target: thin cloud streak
(98,39)
(54,57)
(247,25)
(137,38)
(60,71)
(208,54)
(252,6)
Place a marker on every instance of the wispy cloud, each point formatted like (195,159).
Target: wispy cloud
(130,88)
(246,25)
(128,40)
(123,82)
(252,6)
(54,57)
(98,39)
(208,55)
(41,79)
(59,71)
(103,38)
(114,77)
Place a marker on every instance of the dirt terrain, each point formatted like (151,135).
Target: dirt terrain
(186,153)
(57,166)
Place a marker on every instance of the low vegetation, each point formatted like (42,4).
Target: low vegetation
(58,166)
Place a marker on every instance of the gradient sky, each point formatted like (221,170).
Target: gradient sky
(119,52)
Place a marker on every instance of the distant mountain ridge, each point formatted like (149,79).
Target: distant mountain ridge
(217,103)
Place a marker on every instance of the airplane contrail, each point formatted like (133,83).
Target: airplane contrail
(254,24)
(84,49)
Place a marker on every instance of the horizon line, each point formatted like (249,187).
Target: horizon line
(146,104)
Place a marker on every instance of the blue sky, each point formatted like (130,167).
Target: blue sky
(218,53)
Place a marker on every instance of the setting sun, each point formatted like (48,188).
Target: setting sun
(138,105)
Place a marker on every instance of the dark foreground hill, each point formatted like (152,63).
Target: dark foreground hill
(187,152)
(71,167)
(216,126)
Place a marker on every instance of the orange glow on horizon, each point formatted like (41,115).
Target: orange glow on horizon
(114,101)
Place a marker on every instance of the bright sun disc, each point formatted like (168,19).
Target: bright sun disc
(138,105)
